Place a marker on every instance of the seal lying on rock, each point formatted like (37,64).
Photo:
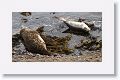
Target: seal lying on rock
(33,41)
(74,25)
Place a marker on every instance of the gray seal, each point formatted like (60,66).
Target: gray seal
(33,42)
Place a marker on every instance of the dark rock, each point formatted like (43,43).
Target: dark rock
(77,32)
(16,40)
(52,12)
(24,20)
(90,44)
(81,19)
(26,13)
(36,18)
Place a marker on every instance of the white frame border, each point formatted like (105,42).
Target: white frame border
(104,67)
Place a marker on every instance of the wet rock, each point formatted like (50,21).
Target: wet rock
(40,30)
(26,13)
(77,32)
(16,40)
(90,44)
(36,18)
(81,19)
(24,20)
(52,12)
(55,44)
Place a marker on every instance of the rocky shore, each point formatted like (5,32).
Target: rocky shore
(58,47)
(88,44)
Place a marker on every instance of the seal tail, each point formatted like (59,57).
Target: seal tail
(60,18)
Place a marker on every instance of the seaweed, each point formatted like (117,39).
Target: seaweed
(56,44)
(90,44)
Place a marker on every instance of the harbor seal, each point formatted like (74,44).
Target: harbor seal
(33,41)
(74,25)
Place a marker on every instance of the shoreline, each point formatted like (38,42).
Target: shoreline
(87,57)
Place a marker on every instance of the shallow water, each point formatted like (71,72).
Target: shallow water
(54,27)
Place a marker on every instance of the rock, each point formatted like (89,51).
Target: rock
(24,20)
(36,18)
(52,12)
(90,44)
(40,30)
(81,19)
(15,40)
(26,13)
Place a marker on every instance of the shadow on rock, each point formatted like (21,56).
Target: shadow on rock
(56,44)
(16,40)
(77,32)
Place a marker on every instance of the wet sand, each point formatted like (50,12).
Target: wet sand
(91,57)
